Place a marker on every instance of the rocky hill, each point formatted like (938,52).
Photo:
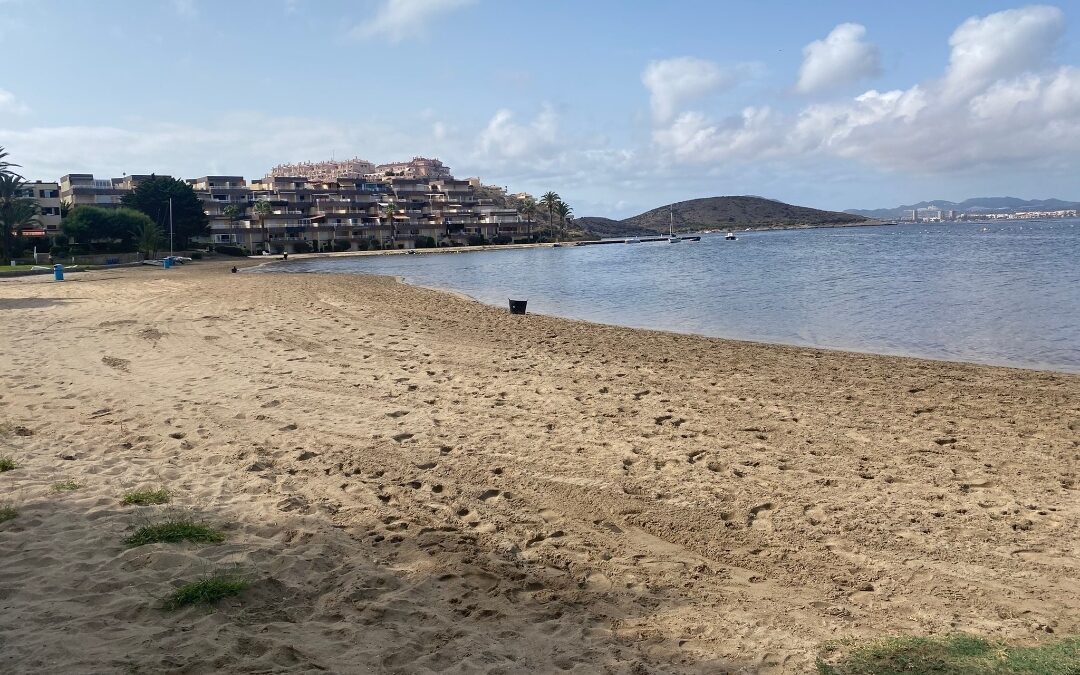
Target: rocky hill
(718,213)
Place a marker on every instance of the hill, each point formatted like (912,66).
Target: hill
(972,206)
(717,213)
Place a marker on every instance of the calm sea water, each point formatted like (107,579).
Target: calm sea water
(1001,293)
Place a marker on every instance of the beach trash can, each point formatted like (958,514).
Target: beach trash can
(167,263)
(517,306)
(58,272)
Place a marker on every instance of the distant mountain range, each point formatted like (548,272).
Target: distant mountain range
(717,213)
(971,206)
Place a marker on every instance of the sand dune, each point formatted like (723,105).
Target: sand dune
(414,482)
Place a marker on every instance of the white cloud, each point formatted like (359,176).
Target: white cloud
(186,8)
(1002,45)
(998,103)
(503,138)
(674,82)
(397,20)
(10,104)
(842,58)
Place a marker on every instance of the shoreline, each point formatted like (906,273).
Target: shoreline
(1048,368)
(410,480)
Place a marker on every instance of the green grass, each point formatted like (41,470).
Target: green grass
(66,486)
(145,497)
(7,513)
(949,655)
(205,591)
(7,463)
(174,531)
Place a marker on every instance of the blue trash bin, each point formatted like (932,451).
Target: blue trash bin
(58,272)
(168,262)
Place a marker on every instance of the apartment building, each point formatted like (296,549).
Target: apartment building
(351,213)
(82,189)
(47,196)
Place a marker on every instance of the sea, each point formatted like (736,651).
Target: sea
(1000,292)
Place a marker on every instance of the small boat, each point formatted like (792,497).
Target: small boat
(671,227)
(633,240)
(730,236)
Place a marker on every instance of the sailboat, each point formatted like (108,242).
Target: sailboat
(671,226)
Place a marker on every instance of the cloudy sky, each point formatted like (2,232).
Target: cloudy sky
(618,106)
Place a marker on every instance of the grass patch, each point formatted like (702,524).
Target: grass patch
(7,463)
(949,655)
(146,497)
(66,486)
(205,591)
(7,513)
(174,531)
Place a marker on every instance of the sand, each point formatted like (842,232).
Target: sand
(415,482)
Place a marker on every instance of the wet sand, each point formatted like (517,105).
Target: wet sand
(415,482)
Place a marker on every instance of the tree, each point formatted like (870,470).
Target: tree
(86,223)
(16,210)
(105,228)
(527,208)
(148,237)
(151,196)
(233,212)
(390,210)
(5,166)
(564,211)
(549,201)
(262,209)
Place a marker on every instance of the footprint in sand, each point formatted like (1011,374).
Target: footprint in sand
(754,519)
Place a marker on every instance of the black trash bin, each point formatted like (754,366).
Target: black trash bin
(517,306)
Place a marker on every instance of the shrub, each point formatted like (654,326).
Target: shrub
(7,463)
(7,513)
(145,497)
(68,485)
(475,240)
(302,247)
(341,245)
(948,655)
(196,255)
(230,249)
(174,531)
(425,242)
(205,591)
(501,239)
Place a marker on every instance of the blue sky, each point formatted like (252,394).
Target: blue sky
(618,106)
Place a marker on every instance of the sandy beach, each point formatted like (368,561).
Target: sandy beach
(415,482)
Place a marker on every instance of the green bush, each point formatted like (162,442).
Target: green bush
(230,249)
(205,591)
(196,255)
(501,239)
(145,497)
(475,240)
(174,531)
(425,242)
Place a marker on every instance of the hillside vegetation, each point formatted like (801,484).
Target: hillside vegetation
(736,213)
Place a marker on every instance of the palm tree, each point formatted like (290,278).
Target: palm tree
(262,209)
(4,165)
(16,210)
(549,201)
(564,211)
(148,238)
(390,210)
(527,208)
